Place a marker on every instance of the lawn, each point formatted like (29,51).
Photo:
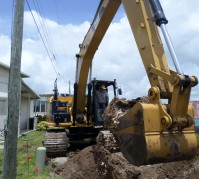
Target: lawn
(26,156)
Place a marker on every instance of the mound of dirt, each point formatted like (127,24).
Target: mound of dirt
(97,162)
(172,170)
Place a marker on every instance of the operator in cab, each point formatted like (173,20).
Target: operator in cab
(102,97)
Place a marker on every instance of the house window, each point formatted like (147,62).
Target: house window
(37,106)
(43,106)
(40,106)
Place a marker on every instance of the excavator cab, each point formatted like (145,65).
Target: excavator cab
(98,109)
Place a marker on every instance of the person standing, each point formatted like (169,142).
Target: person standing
(102,97)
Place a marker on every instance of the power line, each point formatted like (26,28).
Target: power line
(47,38)
(58,19)
(41,37)
(46,34)
(54,53)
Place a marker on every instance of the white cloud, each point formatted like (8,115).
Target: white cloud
(5,48)
(116,58)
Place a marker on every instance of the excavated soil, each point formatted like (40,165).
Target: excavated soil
(96,162)
(118,108)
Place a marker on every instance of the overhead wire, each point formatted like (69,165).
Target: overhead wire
(60,30)
(48,34)
(48,38)
(59,22)
(41,21)
(41,37)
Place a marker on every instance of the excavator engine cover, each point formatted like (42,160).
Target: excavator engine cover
(142,142)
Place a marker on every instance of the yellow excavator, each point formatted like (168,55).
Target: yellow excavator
(154,132)
(64,126)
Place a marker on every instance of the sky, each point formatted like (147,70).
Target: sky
(66,23)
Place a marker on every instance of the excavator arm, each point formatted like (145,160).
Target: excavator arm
(98,28)
(148,133)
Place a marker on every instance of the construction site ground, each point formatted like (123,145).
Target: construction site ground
(96,162)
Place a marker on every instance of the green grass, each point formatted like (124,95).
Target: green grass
(27,146)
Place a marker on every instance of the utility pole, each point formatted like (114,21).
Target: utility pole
(14,94)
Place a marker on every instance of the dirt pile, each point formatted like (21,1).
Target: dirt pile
(106,139)
(173,170)
(118,108)
(97,162)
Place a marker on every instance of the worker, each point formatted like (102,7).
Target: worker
(102,97)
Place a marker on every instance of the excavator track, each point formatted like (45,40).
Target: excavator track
(56,144)
(106,139)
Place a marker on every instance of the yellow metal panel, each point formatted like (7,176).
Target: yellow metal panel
(68,124)
(68,99)
(171,146)
(148,40)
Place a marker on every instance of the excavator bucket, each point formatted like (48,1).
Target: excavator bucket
(142,141)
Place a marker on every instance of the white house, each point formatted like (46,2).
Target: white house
(27,96)
(41,106)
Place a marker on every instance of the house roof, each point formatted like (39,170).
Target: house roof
(23,75)
(26,91)
(47,95)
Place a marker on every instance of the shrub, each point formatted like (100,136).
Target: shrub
(41,118)
(41,126)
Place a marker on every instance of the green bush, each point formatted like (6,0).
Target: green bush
(41,126)
(41,118)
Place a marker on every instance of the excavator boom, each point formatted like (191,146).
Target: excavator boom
(98,28)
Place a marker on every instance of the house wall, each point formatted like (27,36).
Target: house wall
(24,113)
(32,113)
(3,95)
(48,105)
(25,102)
(4,76)
(3,111)
(47,112)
